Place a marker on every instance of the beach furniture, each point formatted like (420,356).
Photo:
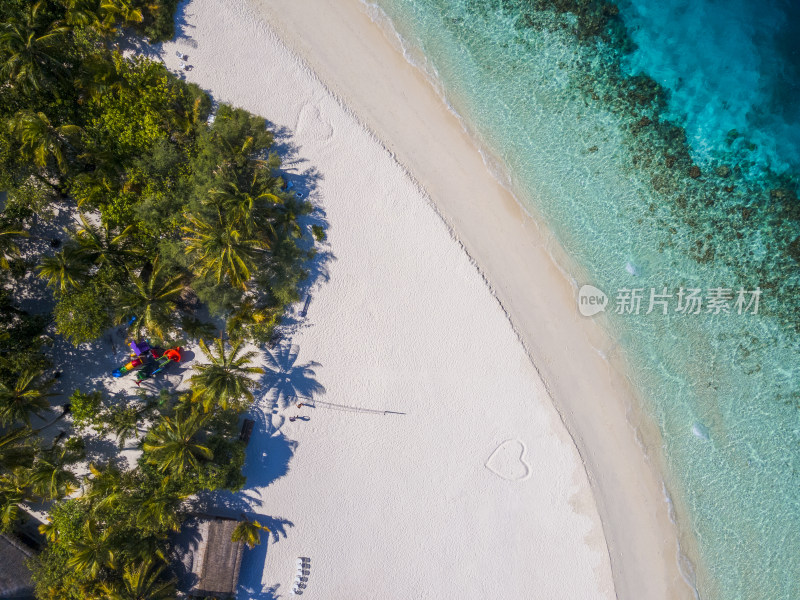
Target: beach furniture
(247,430)
(303,571)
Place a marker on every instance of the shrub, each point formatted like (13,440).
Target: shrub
(85,408)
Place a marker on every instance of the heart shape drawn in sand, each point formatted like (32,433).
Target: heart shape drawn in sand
(508,461)
(310,122)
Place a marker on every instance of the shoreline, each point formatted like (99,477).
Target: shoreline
(628,488)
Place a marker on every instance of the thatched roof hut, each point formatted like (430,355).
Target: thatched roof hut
(211,561)
(15,578)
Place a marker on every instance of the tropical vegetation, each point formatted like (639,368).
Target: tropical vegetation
(179,228)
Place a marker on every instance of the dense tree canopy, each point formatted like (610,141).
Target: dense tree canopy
(177,214)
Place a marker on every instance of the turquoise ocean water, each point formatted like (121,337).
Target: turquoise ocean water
(660,142)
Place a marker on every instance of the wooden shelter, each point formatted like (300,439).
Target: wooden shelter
(211,560)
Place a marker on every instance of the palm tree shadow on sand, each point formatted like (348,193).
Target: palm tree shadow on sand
(250,585)
(286,380)
(268,455)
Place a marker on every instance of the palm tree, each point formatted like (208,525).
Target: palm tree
(160,510)
(250,314)
(100,76)
(226,379)
(92,551)
(27,396)
(187,121)
(243,206)
(106,178)
(16,448)
(221,249)
(125,423)
(102,15)
(50,477)
(28,50)
(104,488)
(66,270)
(249,532)
(12,493)
(101,246)
(153,300)
(41,139)
(142,581)
(173,444)
(49,531)
(8,245)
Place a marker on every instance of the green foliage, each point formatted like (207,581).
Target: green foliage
(175,445)
(253,321)
(152,297)
(222,251)
(131,121)
(176,218)
(50,478)
(49,571)
(76,446)
(100,540)
(82,315)
(40,140)
(318,232)
(225,471)
(21,340)
(102,245)
(226,380)
(85,408)
(142,580)
(65,271)
(158,23)
(196,329)
(26,397)
(248,532)
(29,47)
(15,450)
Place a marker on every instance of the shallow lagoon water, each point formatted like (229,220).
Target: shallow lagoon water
(687,185)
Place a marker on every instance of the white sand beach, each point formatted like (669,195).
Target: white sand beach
(437,459)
